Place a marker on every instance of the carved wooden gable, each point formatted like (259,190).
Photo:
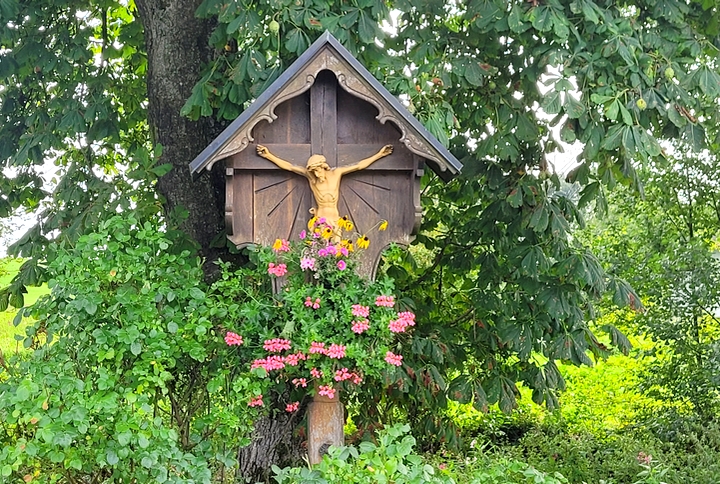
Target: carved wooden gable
(326,103)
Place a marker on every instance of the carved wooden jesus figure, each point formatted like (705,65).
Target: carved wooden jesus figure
(324,181)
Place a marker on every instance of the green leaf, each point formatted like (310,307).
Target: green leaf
(473,73)
(111,457)
(611,112)
(627,119)
(515,198)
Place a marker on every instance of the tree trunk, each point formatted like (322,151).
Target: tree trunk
(273,443)
(177,49)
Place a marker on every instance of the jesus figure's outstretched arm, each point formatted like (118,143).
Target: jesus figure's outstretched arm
(265,153)
(362,164)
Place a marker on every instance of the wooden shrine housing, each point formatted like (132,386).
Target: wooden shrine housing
(326,103)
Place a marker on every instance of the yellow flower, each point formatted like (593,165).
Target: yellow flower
(363,242)
(349,246)
(277,245)
(327,232)
(311,223)
(383,225)
(349,225)
(342,222)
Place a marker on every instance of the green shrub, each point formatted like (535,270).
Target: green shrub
(391,460)
(115,388)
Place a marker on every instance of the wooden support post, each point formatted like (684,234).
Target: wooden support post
(325,419)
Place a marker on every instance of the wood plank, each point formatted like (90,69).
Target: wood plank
(400,159)
(248,159)
(323,117)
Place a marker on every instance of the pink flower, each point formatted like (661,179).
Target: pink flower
(292,407)
(294,359)
(307,263)
(278,270)
(386,301)
(326,390)
(360,311)
(321,221)
(341,265)
(281,245)
(344,251)
(317,348)
(336,351)
(299,382)
(359,327)
(331,250)
(316,304)
(274,362)
(356,379)
(393,359)
(644,458)
(233,339)
(342,375)
(256,401)
(303,234)
(315,373)
(276,345)
(308,302)
(323,252)
(405,319)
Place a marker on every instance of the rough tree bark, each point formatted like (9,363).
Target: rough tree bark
(177,49)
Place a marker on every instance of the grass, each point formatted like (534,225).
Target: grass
(8,343)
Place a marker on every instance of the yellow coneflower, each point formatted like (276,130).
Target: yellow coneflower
(349,246)
(349,226)
(327,232)
(311,223)
(363,242)
(343,222)
(383,225)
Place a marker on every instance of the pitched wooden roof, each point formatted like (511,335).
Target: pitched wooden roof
(327,53)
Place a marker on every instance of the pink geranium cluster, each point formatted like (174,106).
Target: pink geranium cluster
(326,390)
(233,339)
(274,362)
(359,327)
(399,325)
(385,301)
(295,359)
(345,374)
(292,407)
(360,311)
(317,348)
(312,304)
(277,270)
(276,345)
(300,382)
(336,351)
(393,359)
(256,401)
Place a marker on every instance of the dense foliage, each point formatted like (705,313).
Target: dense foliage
(502,290)
(117,384)
(666,245)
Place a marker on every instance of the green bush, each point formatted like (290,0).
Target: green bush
(391,460)
(115,388)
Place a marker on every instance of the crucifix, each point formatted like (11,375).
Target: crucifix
(367,178)
(325,104)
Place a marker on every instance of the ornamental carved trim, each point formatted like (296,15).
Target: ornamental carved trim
(350,82)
